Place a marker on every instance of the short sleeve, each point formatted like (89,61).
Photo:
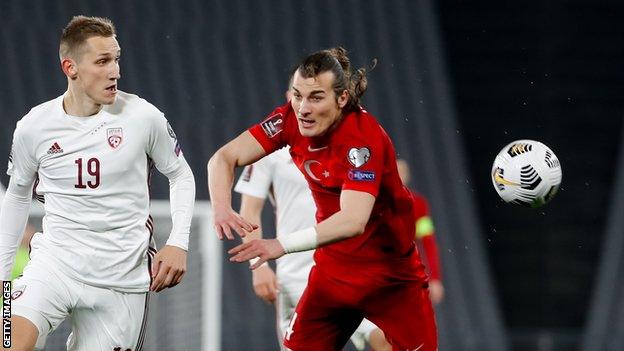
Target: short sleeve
(364,161)
(22,165)
(2,191)
(273,131)
(163,147)
(256,178)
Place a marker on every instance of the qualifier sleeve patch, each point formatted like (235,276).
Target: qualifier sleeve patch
(273,125)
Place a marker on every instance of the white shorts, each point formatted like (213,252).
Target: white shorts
(287,300)
(102,319)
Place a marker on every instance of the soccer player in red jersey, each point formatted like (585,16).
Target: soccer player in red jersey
(367,264)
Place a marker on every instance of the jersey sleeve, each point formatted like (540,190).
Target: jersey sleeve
(432,255)
(2,191)
(272,133)
(425,232)
(163,147)
(364,159)
(22,165)
(256,179)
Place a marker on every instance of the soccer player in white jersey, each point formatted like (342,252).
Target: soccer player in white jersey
(91,150)
(277,177)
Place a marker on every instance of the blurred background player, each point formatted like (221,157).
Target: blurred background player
(91,150)
(276,177)
(366,264)
(425,235)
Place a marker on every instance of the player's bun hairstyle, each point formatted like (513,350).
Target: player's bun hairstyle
(81,28)
(337,61)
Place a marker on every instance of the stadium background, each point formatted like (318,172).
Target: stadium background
(455,81)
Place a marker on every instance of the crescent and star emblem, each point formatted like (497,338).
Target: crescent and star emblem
(307,166)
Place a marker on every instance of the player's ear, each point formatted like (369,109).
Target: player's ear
(343,99)
(69,68)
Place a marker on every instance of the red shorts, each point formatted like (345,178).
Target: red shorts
(331,309)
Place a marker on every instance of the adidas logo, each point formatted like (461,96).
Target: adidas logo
(55,149)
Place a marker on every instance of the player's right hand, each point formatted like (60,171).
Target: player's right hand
(265,283)
(226,220)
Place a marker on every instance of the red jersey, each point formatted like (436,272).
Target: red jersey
(356,155)
(425,233)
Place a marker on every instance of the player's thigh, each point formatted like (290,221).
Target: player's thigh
(323,320)
(109,320)
(405,314)
(43,296)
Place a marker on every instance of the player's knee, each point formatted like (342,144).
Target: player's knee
(23,334)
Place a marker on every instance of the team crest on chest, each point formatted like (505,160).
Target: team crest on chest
(17,292)
(114,136)
(359,157)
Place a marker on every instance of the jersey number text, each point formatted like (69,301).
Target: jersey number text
(93,169)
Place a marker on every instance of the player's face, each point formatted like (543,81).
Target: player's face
(97,70)
(315,103)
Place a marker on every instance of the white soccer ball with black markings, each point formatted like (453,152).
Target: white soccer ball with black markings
(526,172)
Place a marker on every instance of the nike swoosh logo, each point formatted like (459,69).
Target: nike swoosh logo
(500,180)
(311,149)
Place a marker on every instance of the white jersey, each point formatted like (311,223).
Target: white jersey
(93,174)
(276,174)
(1,193)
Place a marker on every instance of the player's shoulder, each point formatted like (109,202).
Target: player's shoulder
(361,124)
(39,116)
(134,106)
(281,121)
(42,110)
(280,112)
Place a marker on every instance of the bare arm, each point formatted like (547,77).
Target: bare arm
(264,279)
(355,210)
(241,151)
(251,210)
(351,220)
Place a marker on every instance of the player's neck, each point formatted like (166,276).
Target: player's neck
(79,104)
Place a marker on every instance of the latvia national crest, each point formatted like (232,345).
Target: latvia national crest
(114,136)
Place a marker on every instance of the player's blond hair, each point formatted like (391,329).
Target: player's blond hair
(81,28)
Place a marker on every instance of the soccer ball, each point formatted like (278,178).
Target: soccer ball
(526,172)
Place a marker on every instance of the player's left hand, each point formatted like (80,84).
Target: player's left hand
(168,268)
(264,249)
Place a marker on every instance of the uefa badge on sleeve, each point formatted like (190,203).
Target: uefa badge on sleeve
(114,137)
(359,156)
